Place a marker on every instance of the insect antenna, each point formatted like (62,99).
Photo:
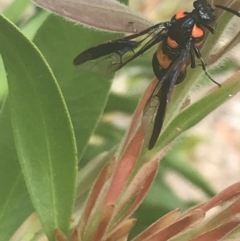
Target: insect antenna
(230,10)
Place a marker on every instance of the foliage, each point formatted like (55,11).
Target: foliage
(49,112)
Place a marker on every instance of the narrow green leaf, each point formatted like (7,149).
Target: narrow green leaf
(3,83)
(85,92)
(197,111)
(32,26)
(42,130)
(15,9)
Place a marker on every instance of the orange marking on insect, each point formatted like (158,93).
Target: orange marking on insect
(172,43)
(197,32)
(180,14)
(163,59)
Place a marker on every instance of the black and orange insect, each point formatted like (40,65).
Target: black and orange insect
(179,40)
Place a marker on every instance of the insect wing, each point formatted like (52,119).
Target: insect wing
(154,113)
(111,53)
(155,109)
(117,53)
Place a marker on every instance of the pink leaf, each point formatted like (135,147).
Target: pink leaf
(104,14)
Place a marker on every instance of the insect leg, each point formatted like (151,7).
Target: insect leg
(211,29)
(193,62)
(199,56)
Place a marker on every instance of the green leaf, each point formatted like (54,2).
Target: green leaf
(32,26)
(121,103)
(15,204)
(124,1)
(42,130)
(3,84)
(85,92)
(197,111)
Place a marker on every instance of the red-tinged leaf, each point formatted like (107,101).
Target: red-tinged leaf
(138,189)
(125,166)
(75,236)
(123,238)
(225,215)
(162,223)
(232,239)
(104,14)
(104,176)
(107,213)
(234,233)
(218,233)
(89,173)
(177,227)
(226,195)
(220,218)
(161,153)
(59,235)
(121,231)
(139,110)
